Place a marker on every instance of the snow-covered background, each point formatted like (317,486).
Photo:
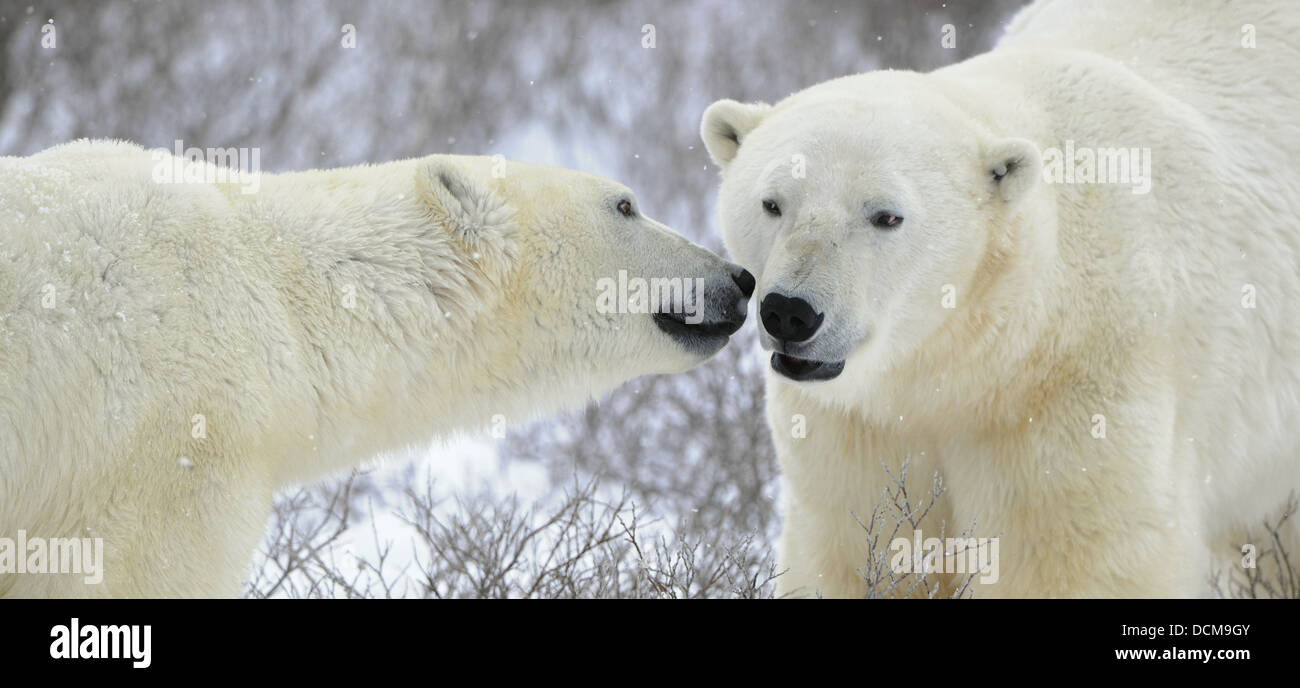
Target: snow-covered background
(570,84)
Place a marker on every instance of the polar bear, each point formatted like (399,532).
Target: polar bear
(172,353)
(1103,367)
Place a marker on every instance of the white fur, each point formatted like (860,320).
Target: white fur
(1071,300)
(474,296)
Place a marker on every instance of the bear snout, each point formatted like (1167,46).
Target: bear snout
(745,280)
(789,319)
(721,311)
(732,306)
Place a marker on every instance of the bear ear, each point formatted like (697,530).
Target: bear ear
(726,123)
(1014,167)
(470,211)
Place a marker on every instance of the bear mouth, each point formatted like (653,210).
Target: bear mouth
(704,339)
(806,370)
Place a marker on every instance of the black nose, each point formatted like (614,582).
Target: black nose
(791,320)
(745,281)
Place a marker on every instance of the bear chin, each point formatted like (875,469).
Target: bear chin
(805,370)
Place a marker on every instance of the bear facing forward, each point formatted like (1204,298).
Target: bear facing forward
(971,270)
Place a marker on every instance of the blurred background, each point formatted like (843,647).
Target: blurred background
(666,488)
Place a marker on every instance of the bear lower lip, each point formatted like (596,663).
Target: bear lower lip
(702,341)
(805,370)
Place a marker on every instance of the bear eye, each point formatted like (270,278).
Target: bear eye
(886,220)
(625,208)
(771,208)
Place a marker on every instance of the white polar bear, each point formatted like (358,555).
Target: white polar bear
(172,353)
(1108,380)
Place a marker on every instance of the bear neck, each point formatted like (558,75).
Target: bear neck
(397,334)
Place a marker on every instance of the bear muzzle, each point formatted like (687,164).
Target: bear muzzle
(723,308)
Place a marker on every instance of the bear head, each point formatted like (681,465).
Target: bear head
(573,277)
(867,208)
